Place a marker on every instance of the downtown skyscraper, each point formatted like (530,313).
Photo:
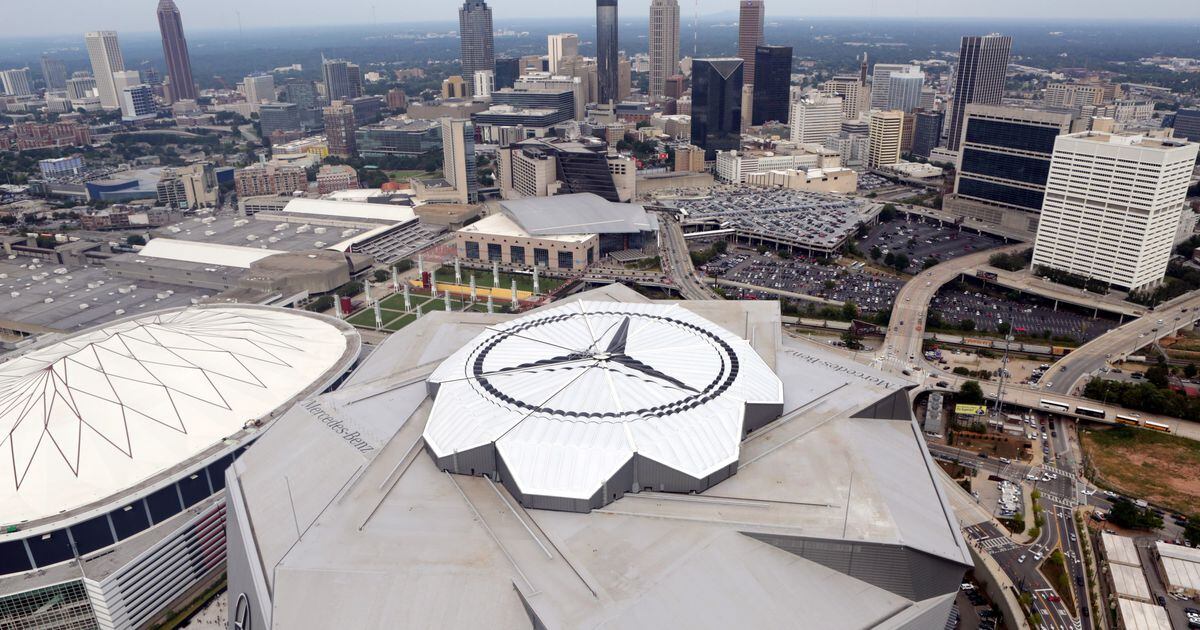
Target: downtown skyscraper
(105,55)
(664,44)
(175,52)
(750,35)
(982,63)
(475,33)
(717,105)
(606,50)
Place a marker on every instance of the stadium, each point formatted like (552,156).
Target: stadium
(603,461)
(116,440)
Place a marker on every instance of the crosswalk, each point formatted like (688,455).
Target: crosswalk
(997,544)
(1057,471)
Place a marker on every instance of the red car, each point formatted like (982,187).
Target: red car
(1053,598)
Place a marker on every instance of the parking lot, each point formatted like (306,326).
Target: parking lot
(919,240)
(1028,316)
(872,292)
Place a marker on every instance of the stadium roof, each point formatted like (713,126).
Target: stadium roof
(351,210)
(96,413)
(835,517)
(580,213)
(205,253)
(570,395)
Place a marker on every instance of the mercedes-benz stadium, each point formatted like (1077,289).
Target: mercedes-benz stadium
(605,461)
(115,442)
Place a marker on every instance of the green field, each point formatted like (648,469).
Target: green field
(484,279)
(1152,466)
(394,317)
(404,176)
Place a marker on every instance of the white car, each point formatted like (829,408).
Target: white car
(1021,559)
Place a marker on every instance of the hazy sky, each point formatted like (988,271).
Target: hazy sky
(77,16)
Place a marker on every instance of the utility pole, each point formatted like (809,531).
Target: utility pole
(1004,365)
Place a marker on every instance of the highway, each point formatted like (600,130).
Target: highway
(1121,342)
(677,262)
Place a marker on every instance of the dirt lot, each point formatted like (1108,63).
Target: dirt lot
(1021,369)
(1158,468)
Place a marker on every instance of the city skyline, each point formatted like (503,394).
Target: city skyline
(223,15)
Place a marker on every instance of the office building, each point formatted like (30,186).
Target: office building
(274,117)
(545,90)
(269,179)
(664,45)
(735,549)
(751,14)
(881,84)
(125,522)
(837,180)
(927,132)
(54,168)
(16,82)
(1112,205)
(772,85)
(475,35)
(1003,161)
(885,137)
(735,167)
(181,86)
(561,47)
(125,79)
(397,99)
(259,88)
(979,78)
(1073,97)
(1187,124)
(186,187)
(454,87)
(507,71)
(458,158)
(339,129)
(814,119)
(343,80)
(399,136)
(137,103)
(717,105)
(544,167)
(606,51)
(105,55)
(851,89)
(54,73)
(676,86)
(904,91)
(335,177)
(485,82)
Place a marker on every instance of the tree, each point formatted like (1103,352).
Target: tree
(929,262)
(849,310)
(888,213)
(381,275)
(1004,328)
(876,252)
(852,340)
(966,325)
(970,393)
(1190,370)
(1157,376)
(889,259)
(1191,533)
(1125,514)
(404,265)
(901,262)
(351,288)
(135,239)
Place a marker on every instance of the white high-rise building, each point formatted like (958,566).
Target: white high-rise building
(1112,206)
(16,82)
(881,83)
(105,55)
(851,89)
(259,88)
(137,103)
(664,44)
(125,79)
(815,119)
(886,133)
(559,47)
(904,92)
(485,82)
(458,158)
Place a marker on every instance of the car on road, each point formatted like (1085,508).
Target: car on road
(1162,601)
(1021,559)
(1053,598)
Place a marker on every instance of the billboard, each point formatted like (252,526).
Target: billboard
(970,410)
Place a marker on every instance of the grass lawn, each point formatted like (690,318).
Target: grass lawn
(404,176)
(1153,466)
(484,279)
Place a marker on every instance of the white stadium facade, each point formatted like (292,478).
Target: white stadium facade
(115,443)
(606,461)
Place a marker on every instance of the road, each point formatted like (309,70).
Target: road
(1069,371)
(902,346)
(677,262)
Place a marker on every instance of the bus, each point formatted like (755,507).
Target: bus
(1091,413)
(1157,426)
(1128,420)
(1055,406)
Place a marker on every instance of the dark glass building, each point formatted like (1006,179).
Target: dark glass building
(982,64)
(1187,124)
(717,105)
(175,51)
(773,78)
(606,50)
(507,71)
(927,132)
(1005,155)
(475,34)
(562,101)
